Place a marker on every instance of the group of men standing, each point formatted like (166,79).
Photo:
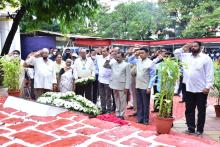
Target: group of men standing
(119,75)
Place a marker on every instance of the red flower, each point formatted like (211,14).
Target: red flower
(112,118)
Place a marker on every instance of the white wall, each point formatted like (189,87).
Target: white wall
(5,26)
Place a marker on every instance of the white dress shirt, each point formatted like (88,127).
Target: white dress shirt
(198,73)
(84,68)
(104,73)
(44,73)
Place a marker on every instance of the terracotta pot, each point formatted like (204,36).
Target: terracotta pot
(14,93)
(217,110)
(163,125)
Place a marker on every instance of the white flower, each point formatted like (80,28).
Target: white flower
(48,94)
(45,100)
(59,102)
(68,104)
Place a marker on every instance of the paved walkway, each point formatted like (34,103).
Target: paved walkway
(212,126)
(74,129)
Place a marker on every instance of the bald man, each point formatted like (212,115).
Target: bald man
(84,67)
(44,72)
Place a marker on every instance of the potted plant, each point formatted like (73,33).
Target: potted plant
(217,87)
(11,74)
(169,72)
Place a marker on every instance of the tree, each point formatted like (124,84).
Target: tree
(64,12)
(133,20)
(192,18)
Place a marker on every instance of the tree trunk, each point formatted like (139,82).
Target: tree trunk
(13,30)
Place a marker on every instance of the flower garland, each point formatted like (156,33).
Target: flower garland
(83,81)
(69,101)
(112,118)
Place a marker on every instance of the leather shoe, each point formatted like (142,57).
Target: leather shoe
(189,132)
(140,121)
(146,123)
(134,114)
(198,133)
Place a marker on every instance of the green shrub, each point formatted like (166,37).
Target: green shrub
(217,80)
(169,72)
(12,69)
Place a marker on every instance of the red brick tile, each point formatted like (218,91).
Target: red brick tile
(3,131)
(33,137)
(3,116)
(20,113)
(61,133)
(13,120)
(9,110)
(99,123)
(117,133)
(80,117)
(42,118)
(67,114)
(3,99)
(76,126)
(135,142)
(70,141)
(22,125)
(101,144)
(88,131)
(3,140)
(16,145)
(54,125)
(146,134)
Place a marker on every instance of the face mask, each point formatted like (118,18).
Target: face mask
(45,58)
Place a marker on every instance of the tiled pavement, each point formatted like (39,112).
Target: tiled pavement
(212,125)
(74,129)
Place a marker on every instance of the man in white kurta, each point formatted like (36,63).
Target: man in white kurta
(44,72)
(84,67)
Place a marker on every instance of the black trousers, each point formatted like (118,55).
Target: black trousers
(180,85)
(85,90)
(143,105)
(156,104)
(95,89)
(32,90)
(184,96)
(194,100)
(113,101)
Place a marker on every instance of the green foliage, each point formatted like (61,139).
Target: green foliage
(134,20)
(169,72)
(4,3)
(12,70)
(217,80)
(62,13)
(128,21)
(194,18)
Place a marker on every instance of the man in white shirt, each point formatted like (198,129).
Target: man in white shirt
(145,73)
(104,77)
(198,79)
(120,83)
(84,68)
(44,72)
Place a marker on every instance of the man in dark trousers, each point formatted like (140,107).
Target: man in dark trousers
(198,79)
